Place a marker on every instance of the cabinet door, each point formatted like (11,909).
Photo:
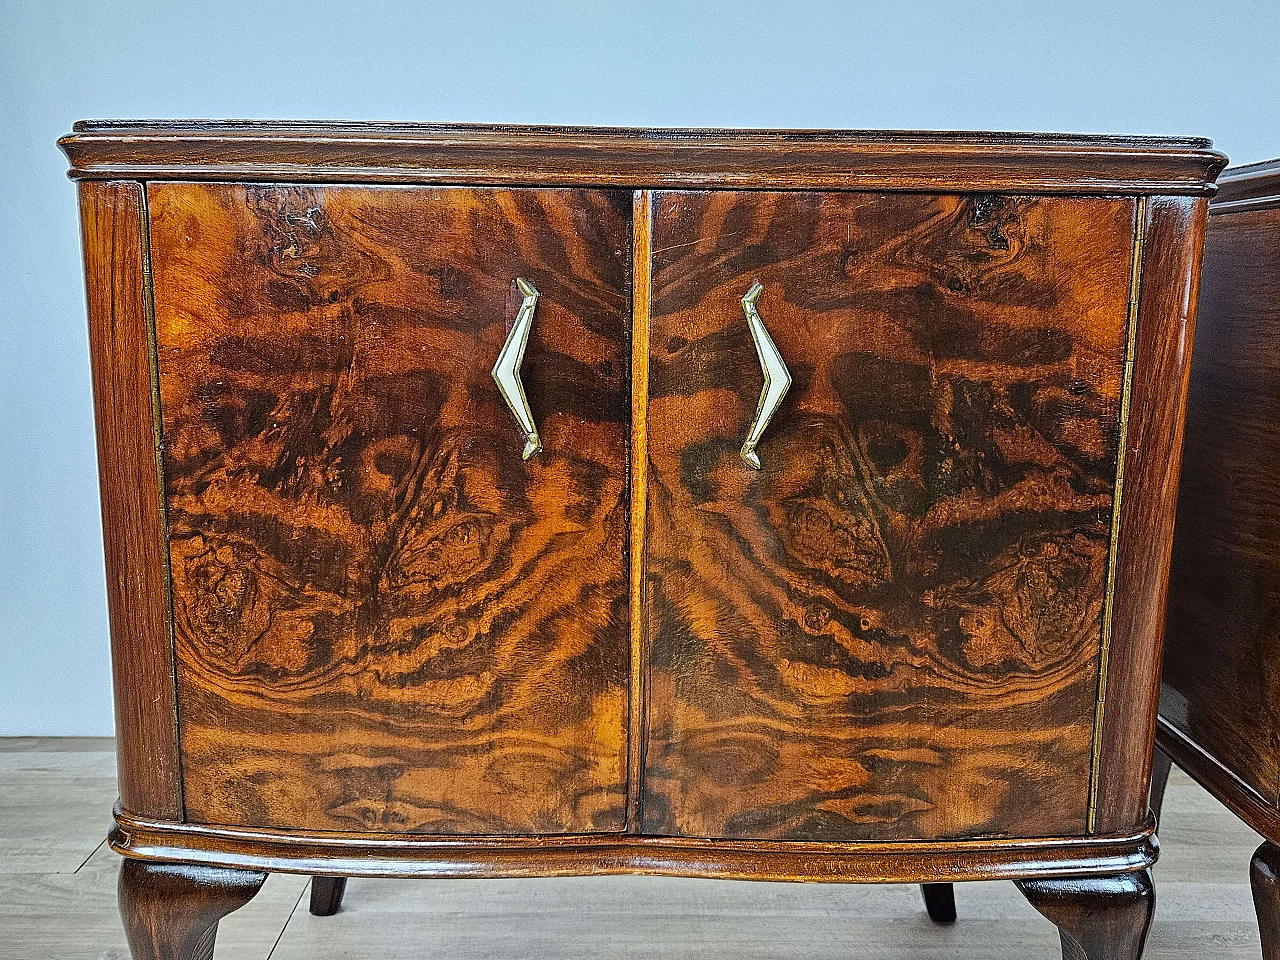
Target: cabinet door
(385,619)
(893,628)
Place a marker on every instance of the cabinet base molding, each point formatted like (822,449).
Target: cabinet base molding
(372,855)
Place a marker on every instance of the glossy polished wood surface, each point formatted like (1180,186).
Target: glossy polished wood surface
(171,910)
(603,156)
(1222,648)
(386,620)
(1173,236)
(384,854)
(113,230)
(339,468)
(893,630)
(1098,918)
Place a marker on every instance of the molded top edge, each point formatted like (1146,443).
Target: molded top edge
(357,129)
(612,156)
(1249,181)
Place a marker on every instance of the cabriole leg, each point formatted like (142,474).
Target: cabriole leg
(326,895)
(940,901)
(1098,918)
(1264,877)
(1160,764)
(171,911)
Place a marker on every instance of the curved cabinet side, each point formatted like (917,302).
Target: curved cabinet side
(1174,235)
(117,278)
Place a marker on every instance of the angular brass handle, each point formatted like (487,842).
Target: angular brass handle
(777,378)
(506,372)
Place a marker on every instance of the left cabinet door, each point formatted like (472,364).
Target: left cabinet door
(385,620)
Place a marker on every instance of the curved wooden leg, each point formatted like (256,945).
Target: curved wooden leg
(326,895)
(940,901)
(171,911)
(1264,877)
(1160,764)
(1098,918)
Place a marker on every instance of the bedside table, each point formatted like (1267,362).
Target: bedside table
(498,501)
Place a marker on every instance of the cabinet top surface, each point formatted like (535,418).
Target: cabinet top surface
(603,156)
(1250,181)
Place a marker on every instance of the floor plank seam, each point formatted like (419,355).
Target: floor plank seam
(306,888)
(100,845)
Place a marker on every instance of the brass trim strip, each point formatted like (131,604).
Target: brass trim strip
(157,426)
(641,256)
(1135,291)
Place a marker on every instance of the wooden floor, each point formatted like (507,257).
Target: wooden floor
(57,898)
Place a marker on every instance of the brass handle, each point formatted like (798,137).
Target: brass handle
(777,378)
(506,372)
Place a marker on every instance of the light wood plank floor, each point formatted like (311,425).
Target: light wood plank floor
(57,898)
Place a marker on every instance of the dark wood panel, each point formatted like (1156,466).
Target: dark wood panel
(771,159)
(385,619)
(111,218)
(893,629)
(1222,646)
(1257,811)
(1257,182)
(1173,239)
(380,854)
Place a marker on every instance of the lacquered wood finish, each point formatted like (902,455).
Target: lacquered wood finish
(390,855)
(171,911)
(1222,660)
(1257,811)
(939,901)
(1217,704)
(601,156)
(1173,235)
(113,225)
(1252,186)
(1264,878)
(385,619)
(326,895)
(279,722)
(892,630)
(1098,918)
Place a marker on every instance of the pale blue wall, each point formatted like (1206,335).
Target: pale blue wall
(1177,68)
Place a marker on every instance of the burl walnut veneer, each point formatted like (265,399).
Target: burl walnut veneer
(496,501)
(1218,703)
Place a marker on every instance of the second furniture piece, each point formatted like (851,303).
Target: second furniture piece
(525,501)
(1218,702)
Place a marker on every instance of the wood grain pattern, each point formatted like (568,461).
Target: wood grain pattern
(1259,812)
(641,279)
(111,217)
(1174,236)
(602,156)
(893,629)
(384,619)
(1222,646)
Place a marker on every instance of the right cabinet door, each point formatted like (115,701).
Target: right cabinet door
(894,627)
